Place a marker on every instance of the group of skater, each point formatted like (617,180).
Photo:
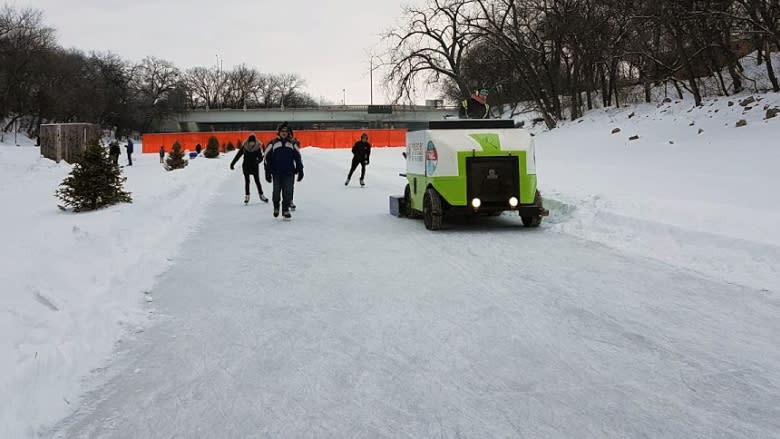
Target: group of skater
(283,166)
(114,151)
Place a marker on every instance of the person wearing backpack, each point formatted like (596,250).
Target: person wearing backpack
(361,152)
(253,156)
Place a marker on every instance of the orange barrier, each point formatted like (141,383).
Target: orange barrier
(319,138)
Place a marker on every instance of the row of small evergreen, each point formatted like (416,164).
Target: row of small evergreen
(96,181)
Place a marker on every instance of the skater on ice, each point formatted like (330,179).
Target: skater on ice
(253,156)
(361,153)
(282,164)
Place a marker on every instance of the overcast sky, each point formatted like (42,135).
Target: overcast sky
(327,42)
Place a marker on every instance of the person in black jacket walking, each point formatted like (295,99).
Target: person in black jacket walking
(282,163)
(114,152)
(361,152)
(252,157)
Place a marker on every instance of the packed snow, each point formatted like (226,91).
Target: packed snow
(74,284)
(646,305)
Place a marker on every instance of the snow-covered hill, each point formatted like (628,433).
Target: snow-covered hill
(693,190)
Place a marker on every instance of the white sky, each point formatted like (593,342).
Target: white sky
(326,42)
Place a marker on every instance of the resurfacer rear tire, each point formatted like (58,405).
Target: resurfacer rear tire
(536,220)
(432,209)
(408,211)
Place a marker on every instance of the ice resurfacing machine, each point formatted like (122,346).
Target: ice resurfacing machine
(469,167)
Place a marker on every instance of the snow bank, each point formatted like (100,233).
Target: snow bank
(74,284)
(694,189)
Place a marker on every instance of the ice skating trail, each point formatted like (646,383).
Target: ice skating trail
(349,323)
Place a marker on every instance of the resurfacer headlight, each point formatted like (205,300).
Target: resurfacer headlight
(475,203)
(513,202)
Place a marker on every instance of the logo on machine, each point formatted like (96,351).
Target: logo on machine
(492,175)
(431,158)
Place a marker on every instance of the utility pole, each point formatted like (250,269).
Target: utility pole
(217,79)
(344,96)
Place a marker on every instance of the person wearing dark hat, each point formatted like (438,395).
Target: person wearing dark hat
(252,153)
(282,163)
(361,152)
(476,106)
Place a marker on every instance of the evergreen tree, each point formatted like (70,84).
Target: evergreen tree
(175,159)
(212,148)
(230,146)
(95,182)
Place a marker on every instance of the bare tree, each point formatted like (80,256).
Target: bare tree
(763,19)
(153,81)
(200,81)
(431,46)
(515,29)
(289,84)
(241,87)
(267,89)
(23,39)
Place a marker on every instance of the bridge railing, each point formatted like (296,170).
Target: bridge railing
(343,108)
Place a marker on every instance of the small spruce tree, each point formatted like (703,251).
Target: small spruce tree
(212,148)
(95,182)
(230,146)
(175,159)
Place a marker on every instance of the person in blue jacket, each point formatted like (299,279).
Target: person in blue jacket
(282,163)
(129,152)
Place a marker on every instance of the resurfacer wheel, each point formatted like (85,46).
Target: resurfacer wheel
(432,210)
(536,220)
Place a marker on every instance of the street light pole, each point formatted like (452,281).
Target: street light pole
(216,96)
(344,97)
(371,76)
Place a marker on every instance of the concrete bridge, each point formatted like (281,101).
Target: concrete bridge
(326,117)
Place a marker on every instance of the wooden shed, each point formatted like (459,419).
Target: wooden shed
(67,141)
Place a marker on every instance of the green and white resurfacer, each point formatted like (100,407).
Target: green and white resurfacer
(469,167)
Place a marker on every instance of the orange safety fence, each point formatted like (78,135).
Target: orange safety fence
(320,138)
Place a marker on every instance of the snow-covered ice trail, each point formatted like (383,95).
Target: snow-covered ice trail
(349,323)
